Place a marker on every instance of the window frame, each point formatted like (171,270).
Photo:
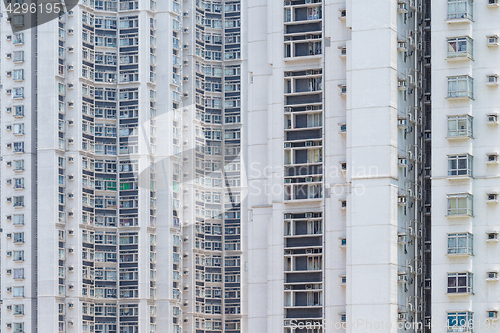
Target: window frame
(457,170)
(456,287)
(457,249)
(460,211)
(457,93)
(456,131)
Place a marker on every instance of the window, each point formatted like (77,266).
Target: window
(460,321)
(460,243)
(18,273)
(460,165)
(458,9)
(18,291)
(460,47)
(460,204)
(460,86)
(460,126)
(459,283)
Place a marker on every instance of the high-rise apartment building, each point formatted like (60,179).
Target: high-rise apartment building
(465,185)
(250,166)
(335,180)
(121,189)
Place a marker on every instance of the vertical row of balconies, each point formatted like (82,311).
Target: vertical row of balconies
(303,265)
(303,29)
(303,135)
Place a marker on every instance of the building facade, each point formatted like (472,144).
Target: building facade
(335,179)
(464,165)
(121,170)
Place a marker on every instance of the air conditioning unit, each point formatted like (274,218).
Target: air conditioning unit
(185,255)
(71,177)
(9,325)
(71,231)
(71,287)
(309,143)
(185,46)
(71,104)
(71,250)
(71,159)
(70,31)
(71,49)
(8,110)
(9,74)
(492,118)
(71,141)
(9,271)
(71,269)
(492,314)
(70,13)
(288,145)
(492,79)
(343,204)
(9,55)
(185,62)
(401,316)
(9,163)
(70,323)
(402,278)
(9,289)
(9,307)
(70,305)
(493,197)
(402,200)
(9,236)
(185,94)
(9,217)
(71,67)
(9,253)
(309,179)
(8,181)
(70,85)
(185,14)
(309,286)
(70,195)
(492,275)
(402,238)
(9,145)
(185,239)
(185,30)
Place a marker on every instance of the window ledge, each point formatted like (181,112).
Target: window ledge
(492,280)
(492,5)
(459,254)
(459,137)
(491,201)
(459,20)
(459,98)
(464,57)
(492,240)
(492,162)
(460,294)
(464,177)
(455,216)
